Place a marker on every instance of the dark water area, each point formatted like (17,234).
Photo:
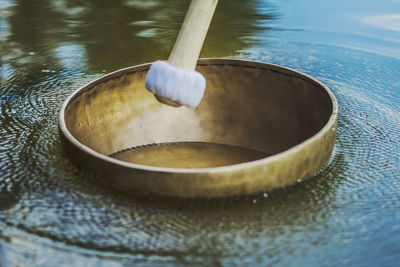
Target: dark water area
(53,213)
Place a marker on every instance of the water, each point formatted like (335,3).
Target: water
(189,155)
(52,212)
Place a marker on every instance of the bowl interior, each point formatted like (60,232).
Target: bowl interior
(250,105)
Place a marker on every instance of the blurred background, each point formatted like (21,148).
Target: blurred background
(52,213)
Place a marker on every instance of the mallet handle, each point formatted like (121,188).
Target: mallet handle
(192,34)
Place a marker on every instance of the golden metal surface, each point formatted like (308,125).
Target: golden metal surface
(167,101)
(188,155)
(251,105)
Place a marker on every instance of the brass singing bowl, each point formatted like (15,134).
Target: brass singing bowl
(287,115)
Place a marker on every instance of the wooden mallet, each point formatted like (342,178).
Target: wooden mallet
(175,81)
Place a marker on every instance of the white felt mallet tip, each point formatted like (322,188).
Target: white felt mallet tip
(175,86)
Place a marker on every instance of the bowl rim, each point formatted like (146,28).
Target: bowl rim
(202,62)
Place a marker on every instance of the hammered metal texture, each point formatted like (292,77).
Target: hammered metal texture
(247,104)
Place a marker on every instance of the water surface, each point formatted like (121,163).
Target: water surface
(52,212)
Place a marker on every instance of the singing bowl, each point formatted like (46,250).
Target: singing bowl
(287,115)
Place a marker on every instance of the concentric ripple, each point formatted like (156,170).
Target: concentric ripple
(349,206)
(53,213)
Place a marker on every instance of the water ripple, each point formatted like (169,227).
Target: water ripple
(43,193)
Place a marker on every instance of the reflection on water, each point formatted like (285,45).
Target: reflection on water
(108,35)
(51,212)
